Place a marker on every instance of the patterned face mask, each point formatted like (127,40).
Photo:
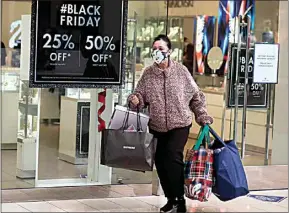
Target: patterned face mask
(158,56)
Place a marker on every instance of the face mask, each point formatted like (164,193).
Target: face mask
(158,56)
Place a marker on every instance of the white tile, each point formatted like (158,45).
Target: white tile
(118,210)
(12,207)
(196,203)
(240,207)
(204,208)
(283,204)
(72,206)
(242,204)
(157,201)
(40,207)
(129,203)
(268,207)
(100,204)
(152,209)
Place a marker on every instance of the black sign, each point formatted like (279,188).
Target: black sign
(256,93)
(78,43)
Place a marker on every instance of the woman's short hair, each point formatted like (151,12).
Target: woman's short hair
(165,39)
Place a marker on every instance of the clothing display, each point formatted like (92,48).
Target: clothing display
(227,25)
(204,41)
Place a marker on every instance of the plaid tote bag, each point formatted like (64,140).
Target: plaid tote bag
(199,169)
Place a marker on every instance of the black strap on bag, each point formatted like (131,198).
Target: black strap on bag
(139,126)
(125,121)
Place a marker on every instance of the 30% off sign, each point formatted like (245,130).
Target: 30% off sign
(100,43)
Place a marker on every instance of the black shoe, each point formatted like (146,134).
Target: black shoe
(170,206)
(181,206)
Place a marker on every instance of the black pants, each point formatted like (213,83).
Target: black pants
(169,160)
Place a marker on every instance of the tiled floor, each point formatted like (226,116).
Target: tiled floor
(150,204)
(75,193)
(267,177)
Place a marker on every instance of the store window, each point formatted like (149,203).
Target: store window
(45,132)
(18,124)
(45,139)
(64,131)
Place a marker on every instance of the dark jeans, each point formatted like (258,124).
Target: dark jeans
(169,160)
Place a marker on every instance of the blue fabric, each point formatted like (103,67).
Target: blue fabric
(230,177)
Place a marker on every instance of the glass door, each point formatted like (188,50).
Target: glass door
(18,118)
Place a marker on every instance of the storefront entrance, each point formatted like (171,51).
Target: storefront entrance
(49,136)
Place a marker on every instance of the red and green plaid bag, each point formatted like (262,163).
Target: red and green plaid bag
(199,169)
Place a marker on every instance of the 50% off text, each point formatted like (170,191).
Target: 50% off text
(100,43)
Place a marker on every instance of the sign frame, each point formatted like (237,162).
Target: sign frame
(230,90)
(76,84)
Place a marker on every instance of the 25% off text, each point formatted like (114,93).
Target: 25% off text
(56,42)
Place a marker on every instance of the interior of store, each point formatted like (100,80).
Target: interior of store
(60,118)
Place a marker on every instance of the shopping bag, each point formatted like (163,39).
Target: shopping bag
(230,176)
(127,148)
(199,169)
(119,115)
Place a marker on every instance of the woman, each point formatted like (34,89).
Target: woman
(169,90)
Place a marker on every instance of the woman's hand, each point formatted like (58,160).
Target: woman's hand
(134,100)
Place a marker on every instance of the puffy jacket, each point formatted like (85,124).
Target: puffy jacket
(171,95)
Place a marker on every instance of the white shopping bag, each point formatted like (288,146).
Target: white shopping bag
(118,117)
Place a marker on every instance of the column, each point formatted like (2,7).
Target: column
(280,131)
